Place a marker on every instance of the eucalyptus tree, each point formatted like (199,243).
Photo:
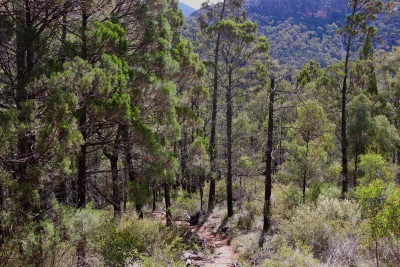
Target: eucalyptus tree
(210,16)
(241,49)
(361,12)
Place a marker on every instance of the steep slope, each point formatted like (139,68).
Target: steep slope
(316,12)
(187,10)
(304,30)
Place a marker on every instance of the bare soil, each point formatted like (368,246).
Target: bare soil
(223,253)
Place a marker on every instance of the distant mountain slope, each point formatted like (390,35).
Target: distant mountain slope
(303,30)
(316,12)
(187,10)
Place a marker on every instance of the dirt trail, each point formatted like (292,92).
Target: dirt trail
(223,253)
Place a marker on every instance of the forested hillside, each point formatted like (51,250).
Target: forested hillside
(256,133)
(310,27)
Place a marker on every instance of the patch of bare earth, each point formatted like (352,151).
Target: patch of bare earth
(223,253)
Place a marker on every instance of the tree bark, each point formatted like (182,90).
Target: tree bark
(81,182)
(116,198)
(82,159)
(154,198)
(305,173)
(344,141)
(201,195)
(268,160)
(213,153)
(167,195)
(229,117)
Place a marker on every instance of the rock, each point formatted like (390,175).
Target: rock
(194,219)
(224,229)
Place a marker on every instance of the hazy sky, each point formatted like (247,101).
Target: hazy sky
(195,3)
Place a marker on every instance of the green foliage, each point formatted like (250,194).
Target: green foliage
(371,199)
(109,37)
(185,205)
(318,227)
(374,166)
(288,257)
(386,137)
(389,217)
(250,210)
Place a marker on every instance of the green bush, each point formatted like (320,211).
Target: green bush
(185,205)
(248,214)
(288,257)
(320,226)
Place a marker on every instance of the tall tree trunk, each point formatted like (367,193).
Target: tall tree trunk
(131,172)
(201,194)
(25,62)
(82,159)
(167,195)
(213,153)
(344,141)
(183,156)
(116,198)
(305,172)
(81,182)
(28,183)
(229,118)
(64,24)
(268,160)
(154,198)
(83,116)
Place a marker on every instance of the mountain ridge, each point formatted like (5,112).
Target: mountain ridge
(186,9)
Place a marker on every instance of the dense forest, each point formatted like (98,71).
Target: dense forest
(252,133)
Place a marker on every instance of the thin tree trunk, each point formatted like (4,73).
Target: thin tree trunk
(344,141)
(229,117)
(83,117)
(167,195)
(154,198)
(116,198)
(183,156)
(82,160)
(305,173)
(201,195)
(81,182)
(268,158)
(213,153)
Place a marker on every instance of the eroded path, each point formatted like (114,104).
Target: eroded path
(223,253)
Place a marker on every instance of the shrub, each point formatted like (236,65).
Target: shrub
(288,257)
(320,226)
(185,205)
(248,214)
